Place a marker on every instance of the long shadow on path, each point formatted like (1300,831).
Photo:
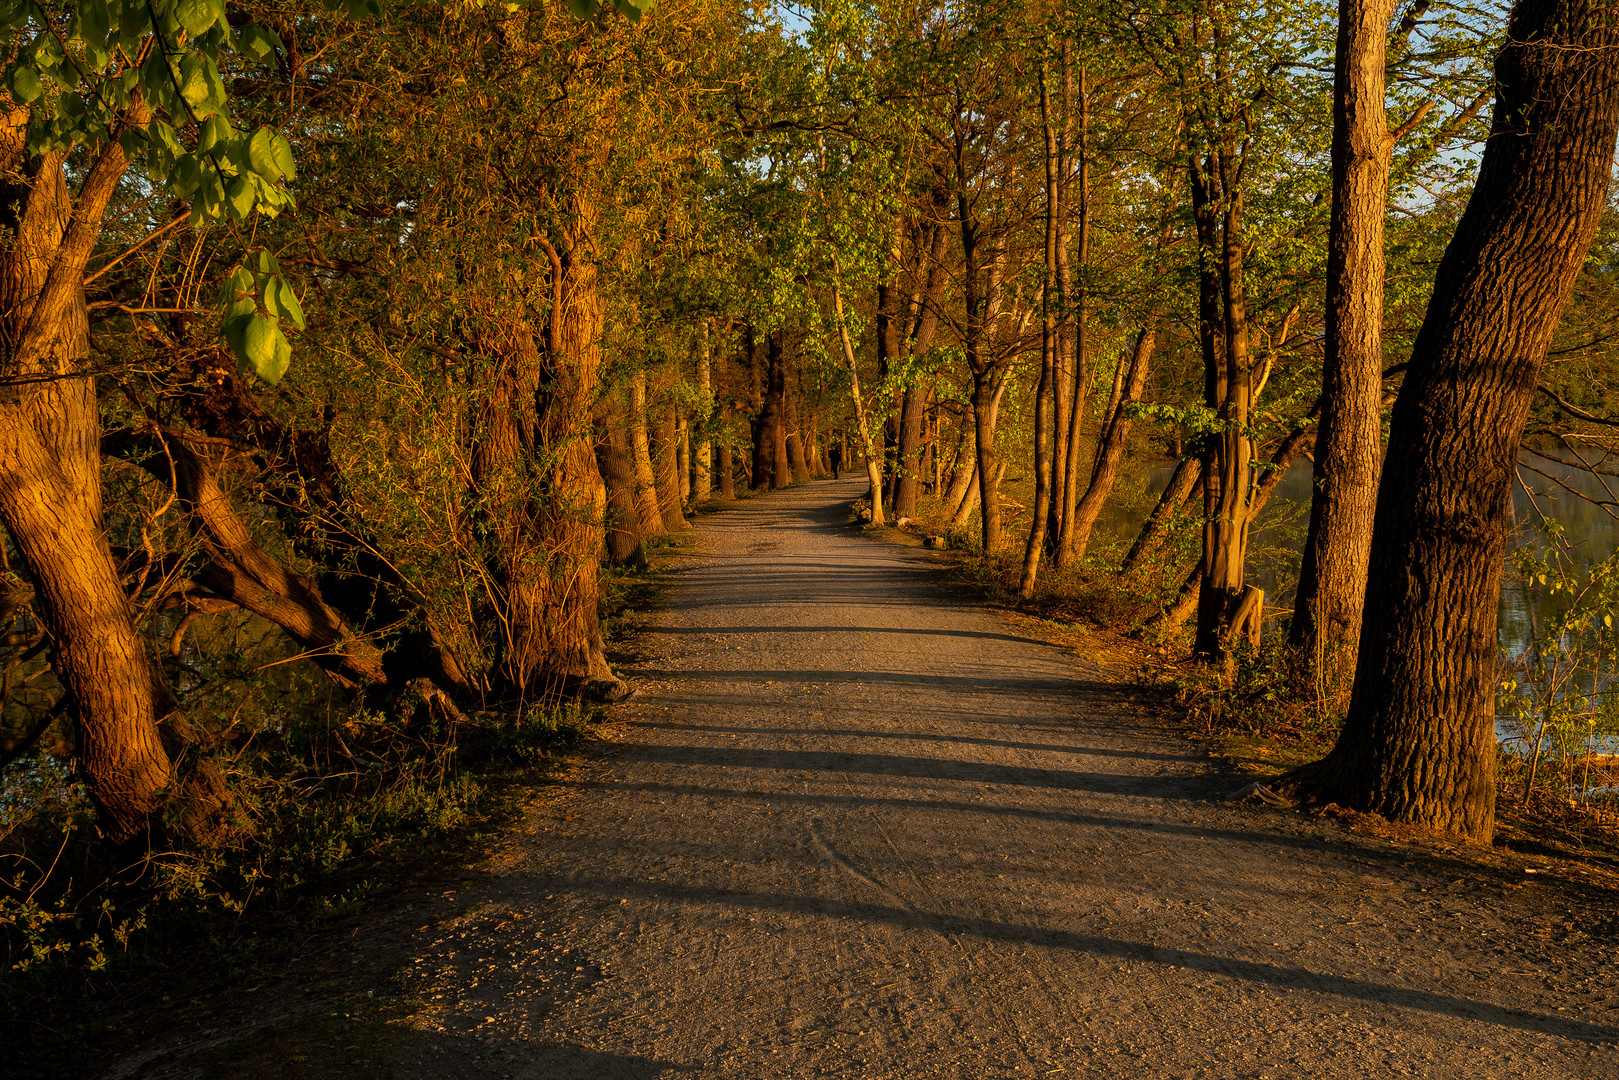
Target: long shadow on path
(1291,978)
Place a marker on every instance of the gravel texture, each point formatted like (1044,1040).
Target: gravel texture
(861,826)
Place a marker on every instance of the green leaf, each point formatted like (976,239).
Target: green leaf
(25,85)
(236,287)
(186,176)
(90,22)
(265,348)
(193,79)
(582,9)
(257,41)
(197,16)
(133,141)
(234,330)
(281,300)
(214,130)
(241,197)
(281,153)
(261,154)
(156,82)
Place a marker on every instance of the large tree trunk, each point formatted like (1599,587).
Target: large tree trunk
(558,631)
(242,572)
(727,470)
(1332,578)
(50,488)
(1418,744)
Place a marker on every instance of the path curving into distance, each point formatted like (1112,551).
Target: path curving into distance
(862,827)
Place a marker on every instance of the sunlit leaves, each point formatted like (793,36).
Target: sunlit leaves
(258,303)
(25,85)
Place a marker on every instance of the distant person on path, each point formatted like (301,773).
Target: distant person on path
(834,454)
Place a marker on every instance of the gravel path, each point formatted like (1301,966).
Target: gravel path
(864,828)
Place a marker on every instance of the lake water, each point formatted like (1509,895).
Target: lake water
(1591,532)
(1584,503)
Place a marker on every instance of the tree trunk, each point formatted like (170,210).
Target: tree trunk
(986,400)
(798,448)
(683,455)
(770,468)
(1110,448)
(727,471)
(1418,744)
(242,572)
(615,458)
(702,474)
(1225,534)
(874,475)
(922,324)
(50,490)
(1044,472)
(558,630)
(1181,486)
(1332,577)
(1185,602)
(1079,334)
(666,467)
(646,479)
(962,503)
(964,473)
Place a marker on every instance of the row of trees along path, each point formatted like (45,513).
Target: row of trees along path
(863,827)
(523,494)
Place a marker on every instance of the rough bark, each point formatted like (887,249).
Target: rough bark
(1110,449)
(558,632)
(665,431)
(241,571)
(50,489)
(615,459)
(727,471)
(683,456)
(1418,744)
(647,504)
(1332,577)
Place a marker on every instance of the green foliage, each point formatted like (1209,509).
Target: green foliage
(1559,693)
(256,300)
(328,817)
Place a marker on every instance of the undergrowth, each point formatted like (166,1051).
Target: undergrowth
(327,816)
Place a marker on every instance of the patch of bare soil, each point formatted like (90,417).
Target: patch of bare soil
(863,827)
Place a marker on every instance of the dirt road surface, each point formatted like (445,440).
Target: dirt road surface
(863,827)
